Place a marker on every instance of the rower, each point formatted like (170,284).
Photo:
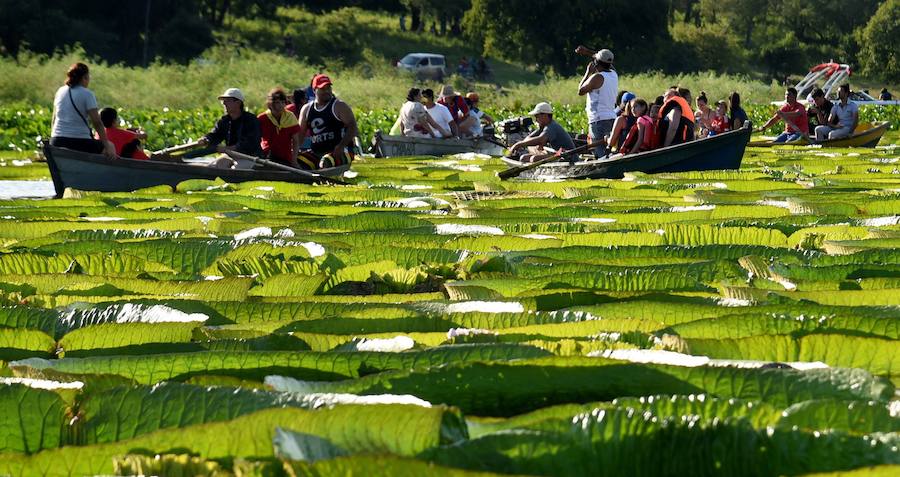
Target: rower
(237,128)
(332,124)
(548,135)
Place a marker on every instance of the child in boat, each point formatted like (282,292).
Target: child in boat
(719,123)
(641,136)
(127,142)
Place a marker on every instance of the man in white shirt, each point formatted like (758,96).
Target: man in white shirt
(843,120)
(440,114)
(600,84)
(414,118)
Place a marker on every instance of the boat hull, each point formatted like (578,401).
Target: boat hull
(95,172)
(397,146)
(866,135)
(723,151)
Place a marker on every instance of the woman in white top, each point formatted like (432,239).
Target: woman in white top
(600,83)
(415,120)
(73,105)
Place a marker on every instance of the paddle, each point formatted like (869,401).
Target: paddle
(258,160)
(515,171)
(173,149)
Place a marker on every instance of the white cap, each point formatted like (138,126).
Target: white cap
(542,108)
(604,55)
(232,93)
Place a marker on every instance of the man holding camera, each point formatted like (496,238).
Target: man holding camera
(600,83)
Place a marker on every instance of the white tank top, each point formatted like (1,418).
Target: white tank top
(601,102)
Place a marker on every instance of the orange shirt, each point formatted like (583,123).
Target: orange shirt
(121,137)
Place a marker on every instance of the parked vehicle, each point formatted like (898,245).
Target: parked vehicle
(424,65)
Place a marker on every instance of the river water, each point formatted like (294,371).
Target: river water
(26,190)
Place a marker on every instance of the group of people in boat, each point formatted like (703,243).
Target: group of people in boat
(621,123)
(821,118)
(295,132)
(451,115)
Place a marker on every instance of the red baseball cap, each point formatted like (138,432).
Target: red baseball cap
(320,81)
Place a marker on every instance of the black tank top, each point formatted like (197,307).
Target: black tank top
(325,128)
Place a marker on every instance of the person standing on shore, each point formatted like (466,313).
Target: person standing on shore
(73,104)
(600,84)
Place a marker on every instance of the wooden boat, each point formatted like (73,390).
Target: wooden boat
(393,146)
(96,172)
(723,151)
(866,135)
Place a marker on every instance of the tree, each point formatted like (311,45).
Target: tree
(878,53)
(546,33)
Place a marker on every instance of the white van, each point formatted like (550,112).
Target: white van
(424,65)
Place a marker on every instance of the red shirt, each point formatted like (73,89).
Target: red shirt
(457,107)
(800,121)
(121,137)
(276,142)
(719,124)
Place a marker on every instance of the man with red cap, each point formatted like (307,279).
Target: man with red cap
(332,126)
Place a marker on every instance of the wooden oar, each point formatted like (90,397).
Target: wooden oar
(515,171)
(258,160)
(173,149)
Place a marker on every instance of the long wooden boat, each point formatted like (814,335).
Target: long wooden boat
(96,172)
(866,135)
(393,146)
(723,151)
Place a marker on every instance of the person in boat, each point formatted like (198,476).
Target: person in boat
(414,118)
(623,122)
(332,123)
(458,109)
(480,116)
(843,119)
(794,116)
(280,131)
(599,85)
(703,115)
(440,114)
(675,120)
(73,105)
(237,130)
(819,111)
(549,137)
(127,142)
(885,95)
(720,122)
(738,115)
(641,136)
(298,99)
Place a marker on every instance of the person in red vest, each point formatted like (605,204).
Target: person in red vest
(127,142)
(280,131)
(641,136)
(675,122)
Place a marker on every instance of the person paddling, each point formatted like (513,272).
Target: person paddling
(548,135)
(599,84)
(238,129)
(332,123)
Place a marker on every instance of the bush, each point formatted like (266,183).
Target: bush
(878,54)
